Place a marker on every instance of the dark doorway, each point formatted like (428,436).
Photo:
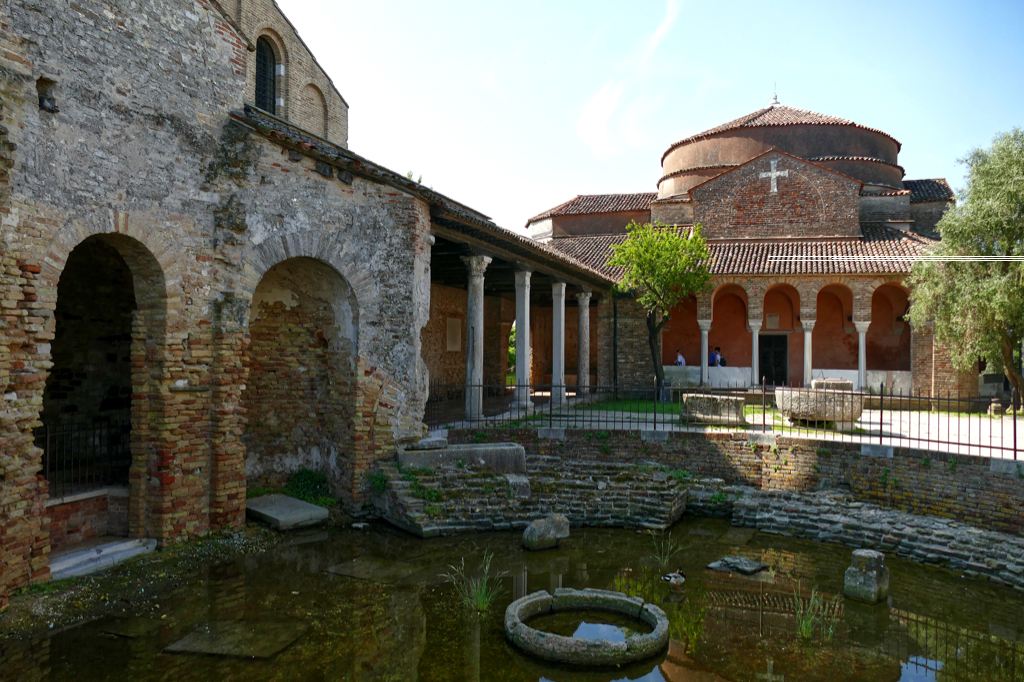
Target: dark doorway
(773,359)
(86,415)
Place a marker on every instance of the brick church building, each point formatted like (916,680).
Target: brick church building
(812,230)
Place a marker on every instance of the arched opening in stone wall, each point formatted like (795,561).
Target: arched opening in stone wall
(729,330)
(888,338)
(834,339)
(312,110)
(781,345)
(266,76)
(109,314)
(300,393)
(682,334)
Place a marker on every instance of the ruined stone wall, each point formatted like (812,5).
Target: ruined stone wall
(973,490)
(142,157)
(453,500)
(309,97)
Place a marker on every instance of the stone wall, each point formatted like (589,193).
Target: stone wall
(634,365)
(837,517)
(975,490)
(148,161)
(456,499)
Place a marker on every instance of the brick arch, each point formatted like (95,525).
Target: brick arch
(311,110)
(155,328)
(788,289)
(735,285)
(328,247)
(834,341)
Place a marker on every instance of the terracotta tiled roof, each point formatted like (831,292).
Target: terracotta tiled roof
(929,190)
(600,203)
(883,250)
(777,115)
(855,158)
(889,193)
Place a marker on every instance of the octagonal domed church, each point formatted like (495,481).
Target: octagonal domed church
(812,230)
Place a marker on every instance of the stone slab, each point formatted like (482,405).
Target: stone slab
(282,512)
(508,458)
(240,639)
(374,569)
(738,536)
(879,451)
(429,444)
(519,484)
(1006,466)
(653,436)
(762,438)
(551,434)
(737,564)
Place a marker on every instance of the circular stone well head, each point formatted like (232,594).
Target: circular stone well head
(587,652)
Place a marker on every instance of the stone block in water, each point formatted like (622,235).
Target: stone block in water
(867,578)
(546,533)
(737,564)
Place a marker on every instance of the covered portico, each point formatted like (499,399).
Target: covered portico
(482,282)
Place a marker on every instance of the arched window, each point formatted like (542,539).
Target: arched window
(266,76)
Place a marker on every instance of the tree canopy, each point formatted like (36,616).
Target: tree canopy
(663,266)
(969,285)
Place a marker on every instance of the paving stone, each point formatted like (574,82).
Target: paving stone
(282,512)
(242,639)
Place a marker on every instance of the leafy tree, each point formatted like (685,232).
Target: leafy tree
(512,349)
(663,268)
(973,290)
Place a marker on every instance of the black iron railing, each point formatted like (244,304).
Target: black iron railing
(79,458)
(946,422)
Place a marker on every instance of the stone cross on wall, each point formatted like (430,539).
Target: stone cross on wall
(775,175)
(770,676)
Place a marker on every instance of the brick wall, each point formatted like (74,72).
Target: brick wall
(445,366)
(739,203)
(310,98)
(911,480)
(635,367)
(74,522)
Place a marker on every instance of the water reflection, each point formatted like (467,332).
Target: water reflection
(723,627)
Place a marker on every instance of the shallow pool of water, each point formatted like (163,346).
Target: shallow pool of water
(372,605)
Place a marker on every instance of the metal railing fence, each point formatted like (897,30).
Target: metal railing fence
(79,458)
(944,422)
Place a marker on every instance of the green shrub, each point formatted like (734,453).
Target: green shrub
(259,491)
(952,466)
(460,462)
(821,451)
(480,437)
(310,486)
(434,511)
(718,497)
(681,475)
(378,482)
(475,593)
(926,462)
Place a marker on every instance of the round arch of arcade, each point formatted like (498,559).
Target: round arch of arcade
(112,307)
(309,306)
(852,327)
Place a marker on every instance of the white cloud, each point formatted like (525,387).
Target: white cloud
(664,28)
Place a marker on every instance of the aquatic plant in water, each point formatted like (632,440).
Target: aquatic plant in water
(664,549)
(475,593)
(816,613)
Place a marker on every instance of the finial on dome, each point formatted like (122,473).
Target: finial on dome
(775,100)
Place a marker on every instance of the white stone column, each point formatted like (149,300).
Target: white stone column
(862,354)
(521,397)
(705,369)
(557,343)
(808,367)
(475,335)
(755,352)
(583,344)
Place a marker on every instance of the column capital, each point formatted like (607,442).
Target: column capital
(523,278)
(476,264)
(862,327)
(558,289)
(808,325)
(705,325)
(584,297)
(755,325)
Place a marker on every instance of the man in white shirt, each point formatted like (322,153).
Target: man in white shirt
(680,360)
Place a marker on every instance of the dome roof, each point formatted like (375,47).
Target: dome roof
(868,154)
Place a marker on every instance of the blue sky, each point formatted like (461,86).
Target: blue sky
(513,108)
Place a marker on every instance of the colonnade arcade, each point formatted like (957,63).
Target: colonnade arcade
(786,332)
(476,295)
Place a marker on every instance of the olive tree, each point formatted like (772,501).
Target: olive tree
(663,266)
(971,283)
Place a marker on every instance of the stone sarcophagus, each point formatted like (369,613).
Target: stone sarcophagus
(828,400)
(712,408)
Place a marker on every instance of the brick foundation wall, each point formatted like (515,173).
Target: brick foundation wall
(914,481)
(74,522)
